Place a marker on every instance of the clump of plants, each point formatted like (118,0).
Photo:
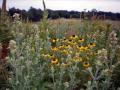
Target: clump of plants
(5,37)
(49,56)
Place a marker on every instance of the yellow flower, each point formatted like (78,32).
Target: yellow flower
(64,51)
(90,45)
(81,40)
(51,56)
(85,48)
(77,59)
(61,47)
(64,40)
(54,61)
(70,40)
(73,37)
(54,40)
(67,46)
(74,43)
(86,64)
(44,55)
(54,49)
(81,48)
(48,56)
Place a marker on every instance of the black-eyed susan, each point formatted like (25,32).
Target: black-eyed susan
(73,37)
(81,40)
(81,48)
(51,56)
(70,40)
(64,51)
(54,40)
(64,40)
(90,45)
(77,47)
(48,56)
(67,46)
(61,47)
(74,43)
(85,48)
(77,59)
(54,49)
(86,64)
(54,61)
(44,55)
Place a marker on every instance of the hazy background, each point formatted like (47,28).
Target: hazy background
(78,5)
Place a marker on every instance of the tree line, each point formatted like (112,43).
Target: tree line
(35,15)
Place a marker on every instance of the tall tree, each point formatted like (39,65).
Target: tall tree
(4,5)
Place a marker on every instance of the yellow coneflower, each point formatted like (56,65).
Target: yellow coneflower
(55,40)
(54,49)
(77,59)
(51,56)
(81,48)
(85,48)
(64,51)
(67,46)
(77,47)
(73,37)
(92,44)
(48,56)
(54,61)
(61,47)
(74,43)
(44,55)
(64,40)
(86,64)
(81,40)
(70,40)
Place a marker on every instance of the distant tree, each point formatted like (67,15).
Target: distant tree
(34,14)
(13,10)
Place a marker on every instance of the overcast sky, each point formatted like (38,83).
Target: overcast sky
(78,5)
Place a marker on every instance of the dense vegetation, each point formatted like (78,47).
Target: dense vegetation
(62,54)
(34,14)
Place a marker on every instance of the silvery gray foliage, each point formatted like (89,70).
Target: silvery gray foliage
(113,38)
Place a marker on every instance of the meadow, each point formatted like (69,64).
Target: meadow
(62,54)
